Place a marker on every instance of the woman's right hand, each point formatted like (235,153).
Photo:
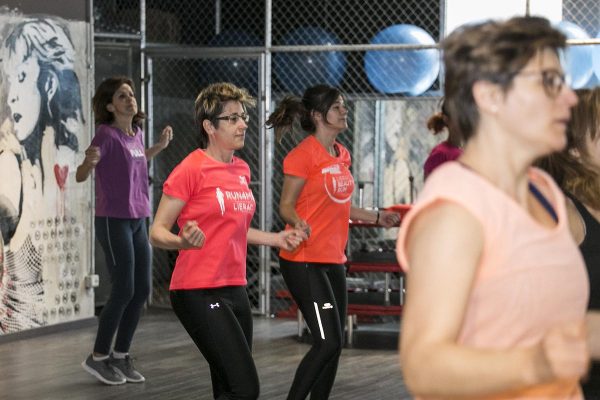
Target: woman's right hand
(192,236)
(92,156)
(303,226)
(563,353)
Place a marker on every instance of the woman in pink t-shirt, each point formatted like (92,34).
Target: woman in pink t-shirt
(497,289)
(209,197)
(448,150)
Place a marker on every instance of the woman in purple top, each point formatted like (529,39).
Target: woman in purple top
(448,150)
(118,155)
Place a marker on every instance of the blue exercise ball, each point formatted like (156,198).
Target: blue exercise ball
(297,71)
(578,58)
(596,58)
(242,72)
(402,71)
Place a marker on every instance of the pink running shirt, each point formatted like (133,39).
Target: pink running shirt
(217,196)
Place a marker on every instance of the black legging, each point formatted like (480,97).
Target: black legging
(320,292)
(219,321)
(127,251)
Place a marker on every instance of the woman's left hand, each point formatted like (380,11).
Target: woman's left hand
(290,239)
(165,137)
(388,219)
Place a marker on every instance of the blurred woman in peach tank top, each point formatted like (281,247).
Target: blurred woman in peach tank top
(497,289)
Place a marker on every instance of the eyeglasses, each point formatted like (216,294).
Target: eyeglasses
(233,118)
(552,80)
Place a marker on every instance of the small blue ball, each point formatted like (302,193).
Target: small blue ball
(242,72)
(579,58)
(298,71)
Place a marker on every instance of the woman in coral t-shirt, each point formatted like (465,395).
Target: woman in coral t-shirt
(316,197)
(209,196)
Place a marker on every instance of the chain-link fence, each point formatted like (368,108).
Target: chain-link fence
(383,55)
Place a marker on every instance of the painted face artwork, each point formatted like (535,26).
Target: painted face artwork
(24,98)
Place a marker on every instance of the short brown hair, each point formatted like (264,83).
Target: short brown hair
(493,51)
(210,101)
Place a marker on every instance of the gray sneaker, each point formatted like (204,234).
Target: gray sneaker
(126,368)
(103,371)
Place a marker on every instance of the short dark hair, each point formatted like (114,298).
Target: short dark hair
(493,51)
(210,101)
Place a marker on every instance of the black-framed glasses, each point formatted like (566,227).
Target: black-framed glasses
(552,80)
(234,118)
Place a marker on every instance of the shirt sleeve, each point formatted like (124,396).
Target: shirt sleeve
(103,140)
(178,184)
(297,163)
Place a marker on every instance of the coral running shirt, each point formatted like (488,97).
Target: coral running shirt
(324,202)
(218,198)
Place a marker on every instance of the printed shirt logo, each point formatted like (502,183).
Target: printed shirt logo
(221,200)
(243,181)
(136,152)
(338,184)
(327,306)
(239,201)
(213,306)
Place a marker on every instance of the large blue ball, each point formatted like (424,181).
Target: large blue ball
(297,71)
(242,72)
(579,58)
(402,71)
(596,58)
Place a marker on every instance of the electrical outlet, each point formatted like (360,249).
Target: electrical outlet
(92,281)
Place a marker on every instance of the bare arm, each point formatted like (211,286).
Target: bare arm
(434,363)
(165,138)
(593,324)
(292,186)
(161,236)
(92,157)
(384,218)
(576,224)
(287,240)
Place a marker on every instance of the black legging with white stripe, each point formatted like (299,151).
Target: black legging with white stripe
(127,251)
(320,292)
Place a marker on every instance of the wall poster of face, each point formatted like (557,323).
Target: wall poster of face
(45,241)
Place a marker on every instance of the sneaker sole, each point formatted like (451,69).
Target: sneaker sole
(102,379)
(129,380)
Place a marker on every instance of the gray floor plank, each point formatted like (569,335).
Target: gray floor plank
(48,367)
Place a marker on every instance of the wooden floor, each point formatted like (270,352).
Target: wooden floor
(48,367)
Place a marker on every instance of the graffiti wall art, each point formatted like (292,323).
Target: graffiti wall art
(44,213)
